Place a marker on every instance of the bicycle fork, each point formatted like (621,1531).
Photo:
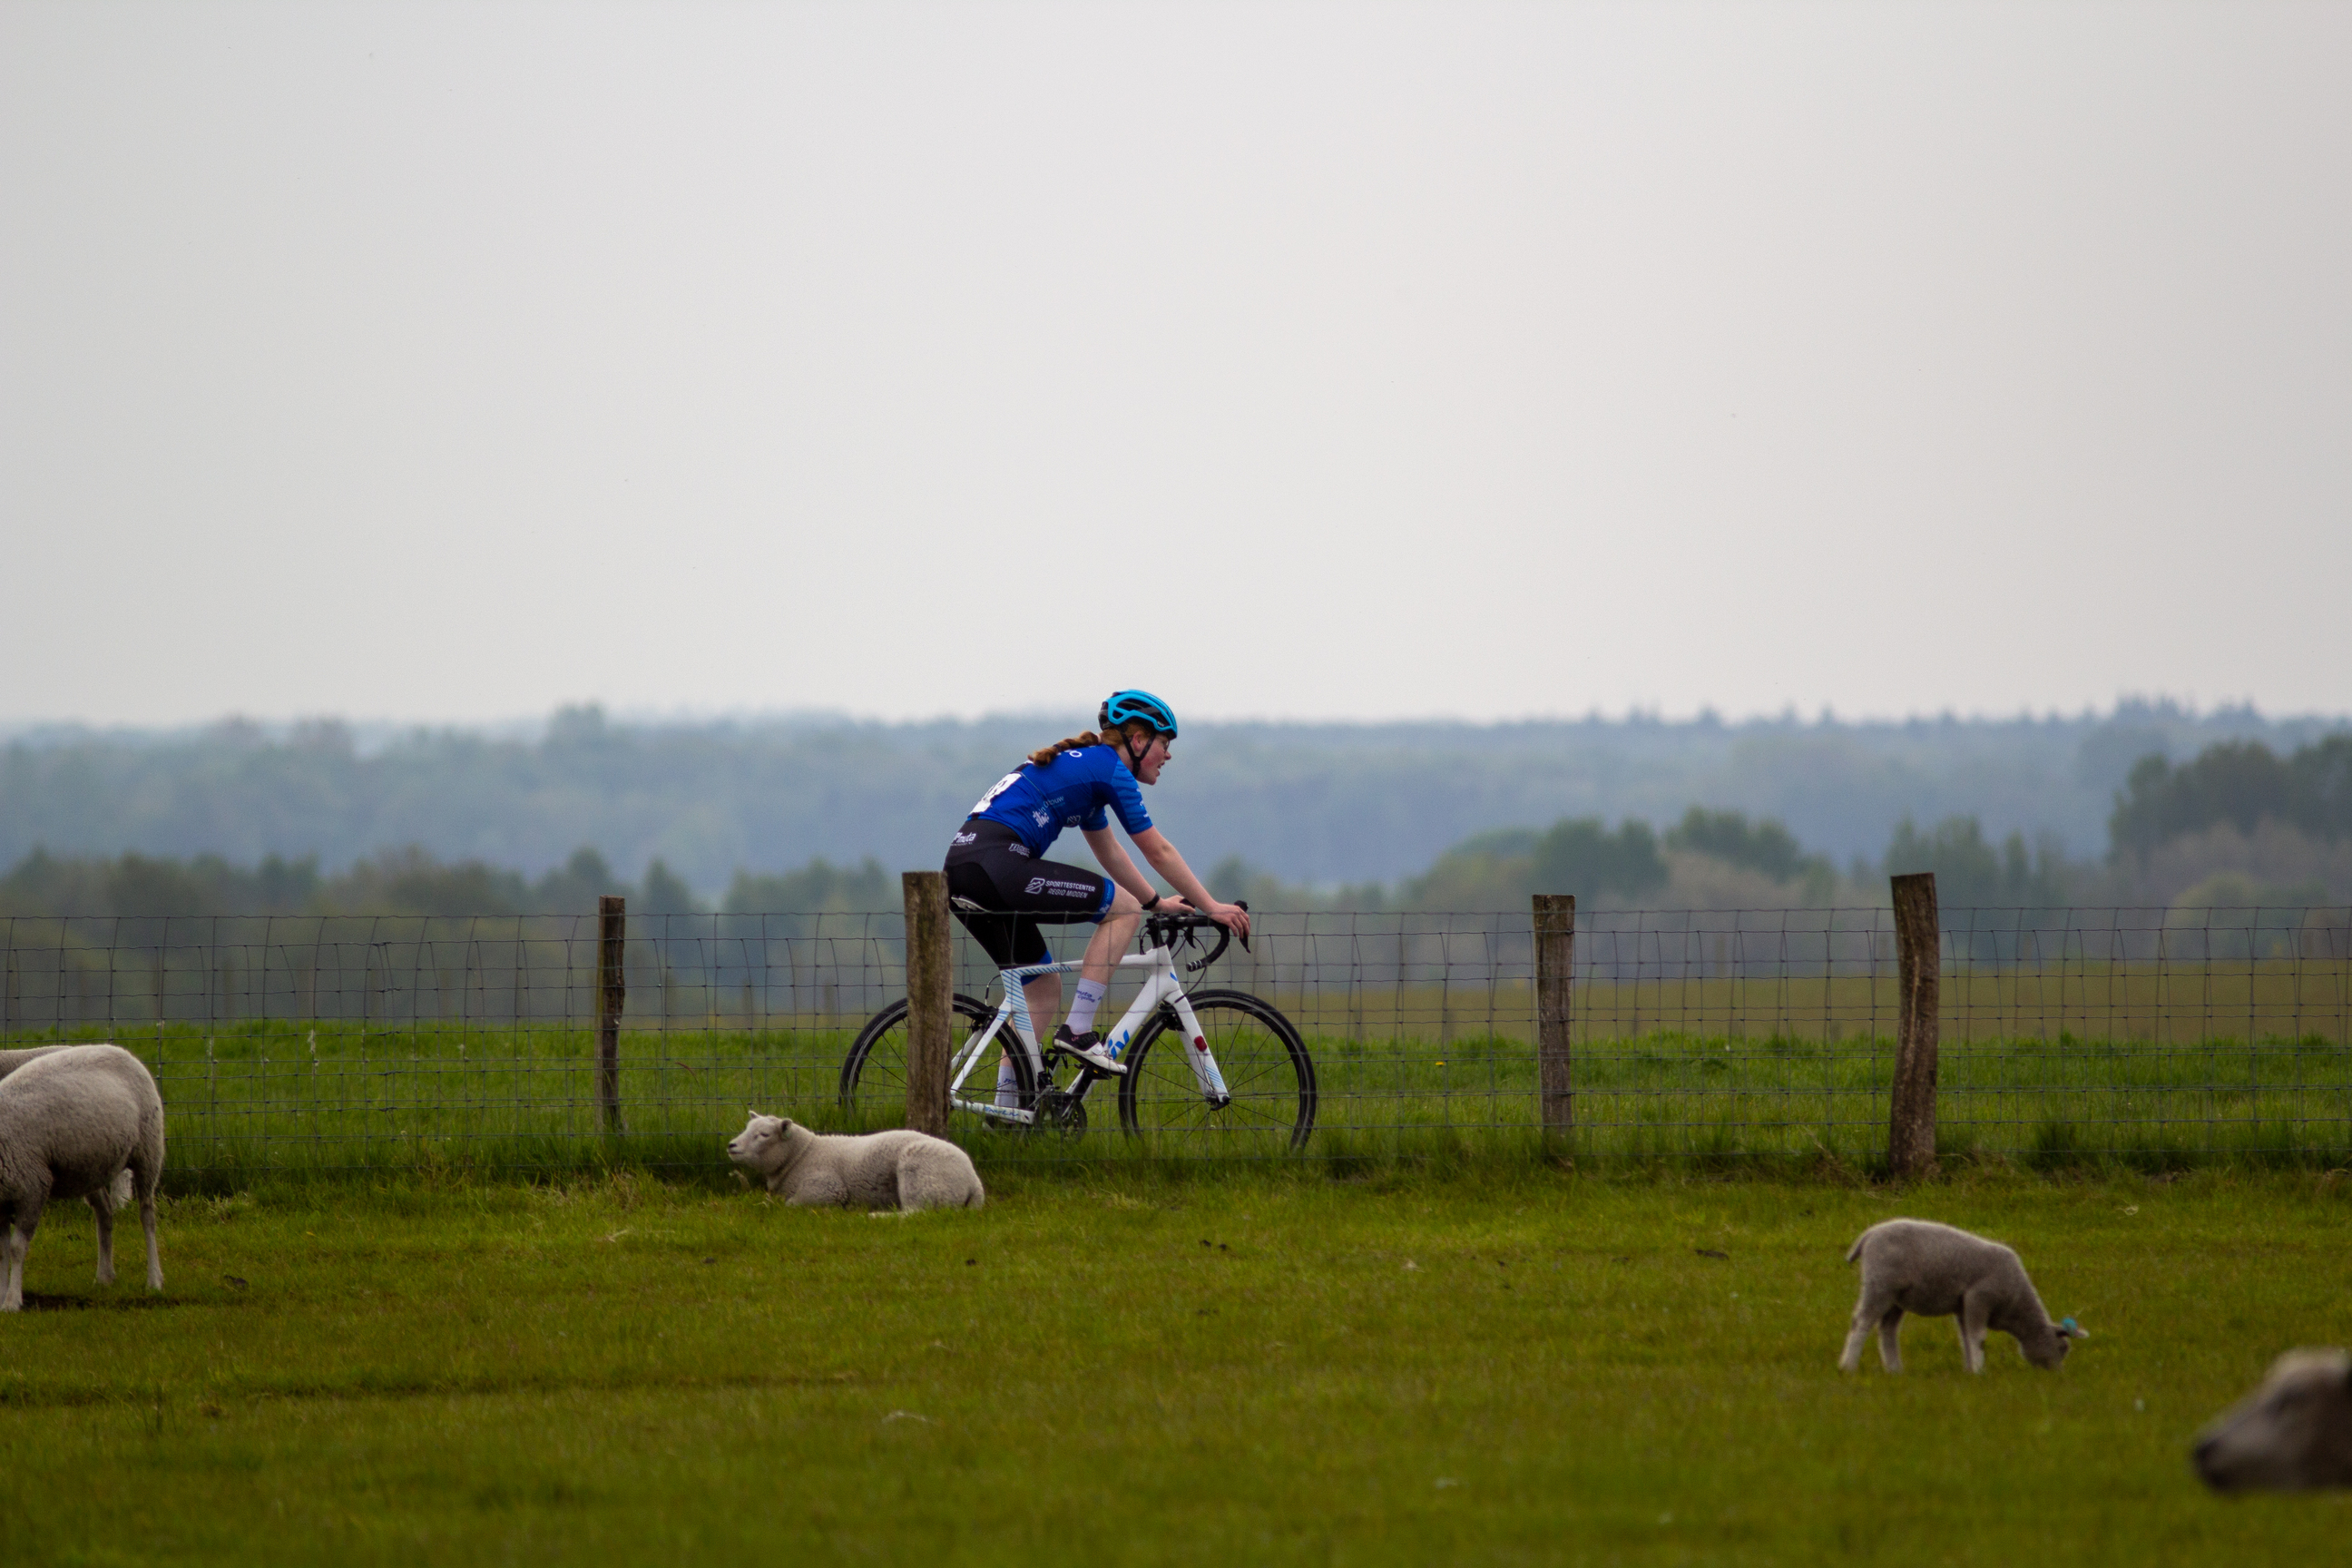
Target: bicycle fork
(1197,1053)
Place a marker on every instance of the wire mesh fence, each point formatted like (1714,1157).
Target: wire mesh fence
(361,1043)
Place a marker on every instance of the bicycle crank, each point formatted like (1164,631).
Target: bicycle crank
(1062,1111)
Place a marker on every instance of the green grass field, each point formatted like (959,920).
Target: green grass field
(255,1098)
(1122,1366)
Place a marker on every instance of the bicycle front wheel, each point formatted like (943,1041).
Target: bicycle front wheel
(1268,1077)
(874,1077)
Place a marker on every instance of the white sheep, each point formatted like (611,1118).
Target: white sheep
(2292,1434)
(901,1169)
(10,1060)
(73,1124)
(118,1195)
(1937,1271)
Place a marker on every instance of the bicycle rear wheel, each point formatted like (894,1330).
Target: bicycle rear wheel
(874,1077)
(1266,1071)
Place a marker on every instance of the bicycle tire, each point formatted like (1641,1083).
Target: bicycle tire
(873,1089)
(1266,1070)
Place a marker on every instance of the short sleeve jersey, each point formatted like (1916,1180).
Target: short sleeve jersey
(1080,788)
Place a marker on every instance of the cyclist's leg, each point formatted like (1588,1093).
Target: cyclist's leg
(1064,895)
(1114,928)
(1112,935)
(1044,994)
(1043,892)
(1012,940)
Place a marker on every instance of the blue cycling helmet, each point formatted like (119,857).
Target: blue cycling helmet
(1121,705)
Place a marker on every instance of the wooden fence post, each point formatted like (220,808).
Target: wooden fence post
(1911,1111)
(929,982)
(1555,923)
(611,995)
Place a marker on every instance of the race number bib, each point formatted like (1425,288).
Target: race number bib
(1001,786)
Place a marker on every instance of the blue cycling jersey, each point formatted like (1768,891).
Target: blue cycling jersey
(1078,789)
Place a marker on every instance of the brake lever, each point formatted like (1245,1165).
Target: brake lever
(1224,940)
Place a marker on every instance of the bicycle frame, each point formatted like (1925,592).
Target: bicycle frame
(1162,987)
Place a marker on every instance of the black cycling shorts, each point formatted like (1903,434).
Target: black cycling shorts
(1002,893)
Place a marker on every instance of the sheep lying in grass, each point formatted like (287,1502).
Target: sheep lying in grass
(1937,1271)
(76,1123)
(2292,1434)
(899,1169)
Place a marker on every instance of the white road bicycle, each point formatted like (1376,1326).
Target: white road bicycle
(1207,1071)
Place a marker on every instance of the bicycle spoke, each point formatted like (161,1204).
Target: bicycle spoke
(1270,1095)
(872,1093)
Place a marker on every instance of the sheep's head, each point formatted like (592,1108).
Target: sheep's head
(2292,1434)
(759,1142)
(2048,1351)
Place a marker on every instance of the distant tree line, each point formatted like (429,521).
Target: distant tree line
(409,882)
(403,882)
(2241,784)
(1972,874)
(1583,855)
(817,887)
(1321,805)
(2240,789)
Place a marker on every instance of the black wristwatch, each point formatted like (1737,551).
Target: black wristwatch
(1154,903)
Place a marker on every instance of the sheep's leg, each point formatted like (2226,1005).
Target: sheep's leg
(1851,1357)
(102,1206)
(1866,1312)
(1976,1312)
(1890,1347)
(12,1295)
(145,1174)
(147,1223)
(20,1242)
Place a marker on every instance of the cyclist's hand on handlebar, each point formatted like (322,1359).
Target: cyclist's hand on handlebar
(1233,917)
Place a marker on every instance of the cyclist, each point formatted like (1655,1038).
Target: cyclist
(1003,887)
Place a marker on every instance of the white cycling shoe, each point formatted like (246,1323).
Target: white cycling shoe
(1087,1049)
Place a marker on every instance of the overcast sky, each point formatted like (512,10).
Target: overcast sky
(1356,361)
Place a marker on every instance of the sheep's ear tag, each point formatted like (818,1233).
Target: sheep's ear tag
(2073,1330)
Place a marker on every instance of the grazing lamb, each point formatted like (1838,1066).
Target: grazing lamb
(2292,1434)
(1935,1271)
(118,1195)
(72,1123)
(899,1169)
